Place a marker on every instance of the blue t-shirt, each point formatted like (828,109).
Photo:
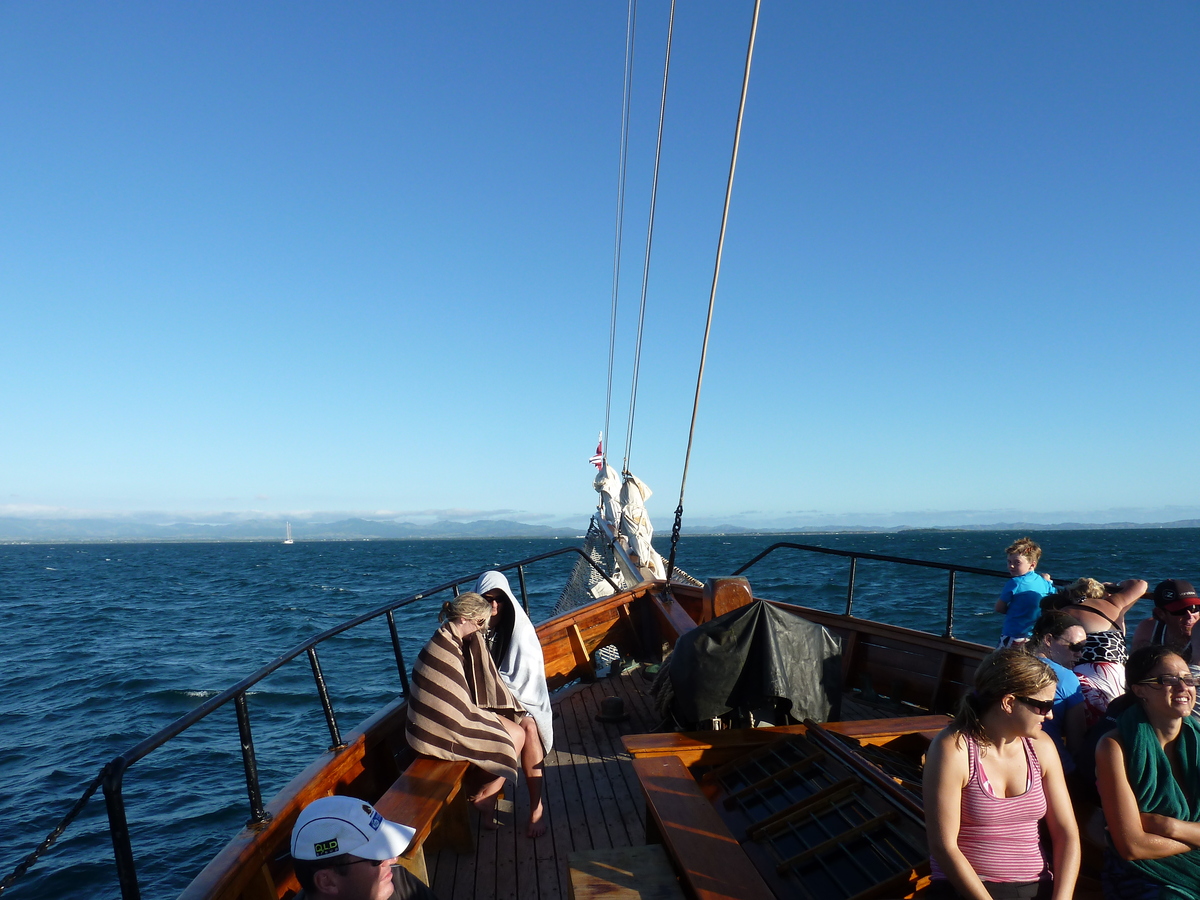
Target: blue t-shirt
(1068,694)
(1023,595)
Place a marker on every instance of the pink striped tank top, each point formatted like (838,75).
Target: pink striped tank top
(999,835)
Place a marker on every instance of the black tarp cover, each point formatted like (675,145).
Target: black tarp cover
(751,657)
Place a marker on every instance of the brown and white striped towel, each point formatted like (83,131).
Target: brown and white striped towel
(456,702)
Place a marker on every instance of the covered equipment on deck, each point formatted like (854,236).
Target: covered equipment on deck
(759,659)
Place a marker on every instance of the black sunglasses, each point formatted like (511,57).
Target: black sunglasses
(1171,681)
(1186,611)
(1041,707)
(1077,647)
(374,862)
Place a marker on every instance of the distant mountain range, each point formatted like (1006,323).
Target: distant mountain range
(53,530)
(29,530)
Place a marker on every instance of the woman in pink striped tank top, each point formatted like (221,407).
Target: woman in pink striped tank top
(990,777)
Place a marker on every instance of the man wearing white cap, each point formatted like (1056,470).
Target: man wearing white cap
(343,848)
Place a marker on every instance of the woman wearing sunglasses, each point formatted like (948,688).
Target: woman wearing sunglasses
(1058,641)
(1148,774)
(990,778)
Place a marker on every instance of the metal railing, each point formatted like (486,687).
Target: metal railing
(113,774)
(855,555)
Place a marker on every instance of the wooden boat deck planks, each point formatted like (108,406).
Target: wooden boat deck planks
(608,739)
(590,800)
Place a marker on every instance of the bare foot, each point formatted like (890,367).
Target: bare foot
(487,810)
(536,827)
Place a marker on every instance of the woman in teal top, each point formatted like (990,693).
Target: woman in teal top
(1148,774)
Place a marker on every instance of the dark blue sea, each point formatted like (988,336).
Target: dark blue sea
(104,644)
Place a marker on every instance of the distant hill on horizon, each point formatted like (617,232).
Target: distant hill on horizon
(355,529)
(30,530)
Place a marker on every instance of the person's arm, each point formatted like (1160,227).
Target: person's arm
(1142,634)
(1175,829)
(1005,597)
(1060,819)
(946,768)
(1128,592)
(1129,835)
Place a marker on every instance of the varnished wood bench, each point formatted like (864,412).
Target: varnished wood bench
(429,798)
(706,855)
(713,748)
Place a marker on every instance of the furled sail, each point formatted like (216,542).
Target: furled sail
(636,527)
(608,485)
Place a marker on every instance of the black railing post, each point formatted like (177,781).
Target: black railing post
(950,606)
(258,815)
(456,590)
(330,720)
(391,620)
(524,593)
(118,829)
(850,586)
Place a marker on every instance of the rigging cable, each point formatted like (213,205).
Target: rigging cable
(630,21)
(712,297)
(637,353)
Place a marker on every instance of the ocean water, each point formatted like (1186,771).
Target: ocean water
(104,644)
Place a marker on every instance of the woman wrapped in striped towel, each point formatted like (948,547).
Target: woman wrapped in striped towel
(460,709)
(990,778)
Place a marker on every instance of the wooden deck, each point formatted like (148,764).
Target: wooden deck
(592,802)
(592,796)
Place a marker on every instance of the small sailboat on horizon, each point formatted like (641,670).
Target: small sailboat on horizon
(288,539)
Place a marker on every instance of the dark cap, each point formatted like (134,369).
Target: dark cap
(1175,594)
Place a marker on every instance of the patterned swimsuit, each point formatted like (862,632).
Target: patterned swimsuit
(1104,646)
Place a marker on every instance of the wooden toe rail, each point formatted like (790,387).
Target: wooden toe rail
(708,857)
(429,798)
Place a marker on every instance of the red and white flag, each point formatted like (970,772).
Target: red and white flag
(598,459)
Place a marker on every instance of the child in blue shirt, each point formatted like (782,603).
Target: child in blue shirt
(1021,598)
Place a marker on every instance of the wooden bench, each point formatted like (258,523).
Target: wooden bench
(429,798)
(706,855)
(712,748)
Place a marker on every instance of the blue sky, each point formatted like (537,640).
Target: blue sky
(297,258)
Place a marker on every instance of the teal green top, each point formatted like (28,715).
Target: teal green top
(1157,791)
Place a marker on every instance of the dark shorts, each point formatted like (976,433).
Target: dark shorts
(1121,881)
(940,889)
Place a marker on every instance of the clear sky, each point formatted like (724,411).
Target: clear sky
(270,258)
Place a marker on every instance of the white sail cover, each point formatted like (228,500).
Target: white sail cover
(523,668)
(636,527)
(608,486)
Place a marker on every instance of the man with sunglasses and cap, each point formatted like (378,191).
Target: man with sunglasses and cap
(343,849)
(1176,612)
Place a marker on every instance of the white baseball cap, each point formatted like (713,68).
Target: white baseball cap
(332,826)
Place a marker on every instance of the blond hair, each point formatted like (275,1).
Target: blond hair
(1027,548)
(1002,672)
(469,606)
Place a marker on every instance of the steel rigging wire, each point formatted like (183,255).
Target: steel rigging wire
(630,21)
(712,296)
(637,353)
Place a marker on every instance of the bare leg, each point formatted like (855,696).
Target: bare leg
(485,800)
(531,764)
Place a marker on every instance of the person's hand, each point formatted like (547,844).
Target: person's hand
(1047,577)
(1153,823)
